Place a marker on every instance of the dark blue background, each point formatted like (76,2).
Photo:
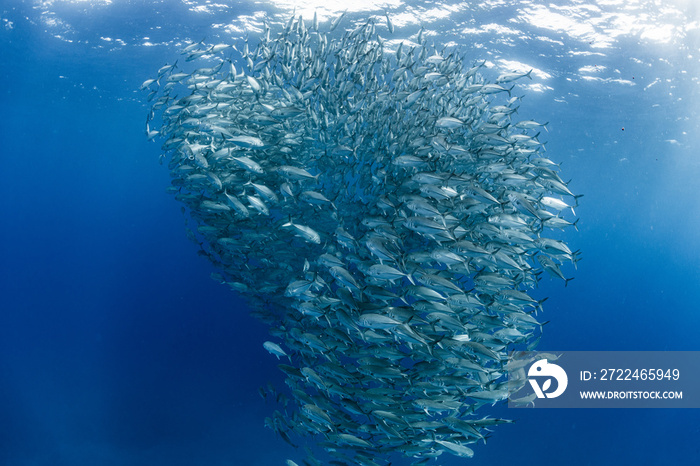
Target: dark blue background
(116,348)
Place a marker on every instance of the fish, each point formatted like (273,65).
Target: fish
(510,77)
(336,21)
(377,321)
(389,24)
(248,164)
(552,268)
(307,233)
(274,349)
(382,209)
(246,141)
(449,123)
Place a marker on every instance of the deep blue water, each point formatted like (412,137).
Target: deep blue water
(116,348)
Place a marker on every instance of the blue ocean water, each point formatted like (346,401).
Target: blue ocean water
(116,348)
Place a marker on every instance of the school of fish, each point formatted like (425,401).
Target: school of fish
(379,207)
